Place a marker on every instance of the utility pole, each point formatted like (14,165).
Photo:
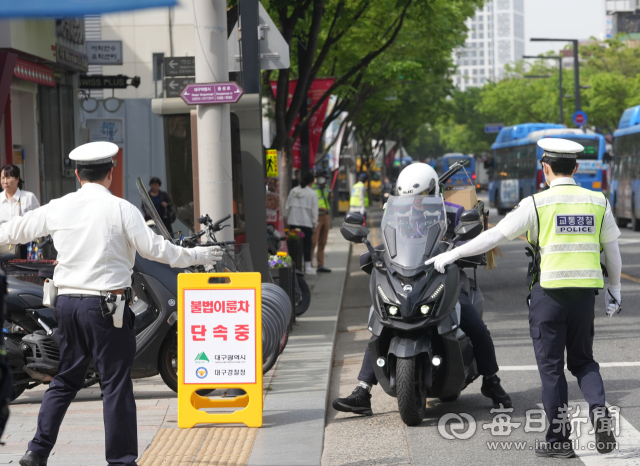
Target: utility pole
(251,145)
(576,66)
(214,128)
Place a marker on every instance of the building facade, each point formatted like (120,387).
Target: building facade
(495,39)
(39,109)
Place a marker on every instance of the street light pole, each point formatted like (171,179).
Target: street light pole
(561,96)
(576,66)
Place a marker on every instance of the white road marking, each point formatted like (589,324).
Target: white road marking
(602,365)
(628,452)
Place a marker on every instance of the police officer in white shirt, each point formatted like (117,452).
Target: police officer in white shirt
(14,201)
(96,235)
(568,227)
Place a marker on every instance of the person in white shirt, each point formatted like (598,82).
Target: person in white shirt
(568,228)
(14,202)
(96,235)
(301,211)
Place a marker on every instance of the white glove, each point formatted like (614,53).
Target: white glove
(206,255)
(613,302)
(362,211)
(444,259)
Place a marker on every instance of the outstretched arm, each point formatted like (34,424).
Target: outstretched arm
(483,243)
(30,226)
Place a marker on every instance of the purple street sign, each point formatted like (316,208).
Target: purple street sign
(211,93)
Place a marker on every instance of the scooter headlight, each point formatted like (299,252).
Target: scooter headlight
(425,309)
(393,310)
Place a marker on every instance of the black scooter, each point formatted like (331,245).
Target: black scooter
(417,348)
(32,338)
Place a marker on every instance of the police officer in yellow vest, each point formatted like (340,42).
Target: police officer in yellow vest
(568,227)
(321,233)
(359,196)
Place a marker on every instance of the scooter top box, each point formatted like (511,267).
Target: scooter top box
(461,195)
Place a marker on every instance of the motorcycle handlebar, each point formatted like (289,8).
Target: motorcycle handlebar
(455,168)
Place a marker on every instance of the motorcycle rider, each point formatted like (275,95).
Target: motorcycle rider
(415,180)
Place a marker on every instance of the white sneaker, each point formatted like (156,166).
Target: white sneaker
(309,270)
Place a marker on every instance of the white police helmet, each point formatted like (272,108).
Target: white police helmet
(417,179)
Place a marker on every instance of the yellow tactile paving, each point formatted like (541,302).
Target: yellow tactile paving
(216,446)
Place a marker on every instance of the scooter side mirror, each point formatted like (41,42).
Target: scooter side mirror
(354,233)
(470,216)
(467,231)
(354,218)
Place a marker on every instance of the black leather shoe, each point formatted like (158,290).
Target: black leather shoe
(31,458)
(491,388)
(557,450)
(359,402)
(605,440)
(323,269)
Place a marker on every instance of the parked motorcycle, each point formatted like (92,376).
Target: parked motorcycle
(32,338)
(417,348)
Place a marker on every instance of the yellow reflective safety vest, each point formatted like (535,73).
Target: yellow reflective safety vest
(355,195)
(323,197)
(568,243)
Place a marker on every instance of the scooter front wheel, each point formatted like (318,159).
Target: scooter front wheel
(412,396)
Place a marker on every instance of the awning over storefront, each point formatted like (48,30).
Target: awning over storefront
(32,72)
(40,8)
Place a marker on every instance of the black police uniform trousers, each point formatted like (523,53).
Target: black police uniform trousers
(471,324)
(86,334)
(559,319)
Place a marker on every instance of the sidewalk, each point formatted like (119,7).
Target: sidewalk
(296,391)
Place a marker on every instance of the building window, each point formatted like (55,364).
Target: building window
(481,35)
(466,72)
(481,80)
(482,53)
(475,71)
(475,80)
(480,19)
(466,62)
(481,70)
(481,62)
(474,62)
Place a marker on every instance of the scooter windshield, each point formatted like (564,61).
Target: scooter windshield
(412,227)
(151,210)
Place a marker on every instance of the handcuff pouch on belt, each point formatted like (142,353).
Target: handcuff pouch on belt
(533,271)
(113,305)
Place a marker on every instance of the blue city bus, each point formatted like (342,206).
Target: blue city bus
(517,172)
(625,184)
(442,165)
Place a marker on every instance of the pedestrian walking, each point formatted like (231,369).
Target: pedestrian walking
(162,202)
(96,235)
(567,228)
(359,196)
(321,232)
(14,202)
(385,192)
(301,211)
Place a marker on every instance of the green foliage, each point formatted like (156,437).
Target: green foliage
(407,85)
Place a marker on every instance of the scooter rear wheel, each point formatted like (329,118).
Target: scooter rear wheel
(168,366)
(412,396)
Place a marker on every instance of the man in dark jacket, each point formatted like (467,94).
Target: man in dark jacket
(162,203)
